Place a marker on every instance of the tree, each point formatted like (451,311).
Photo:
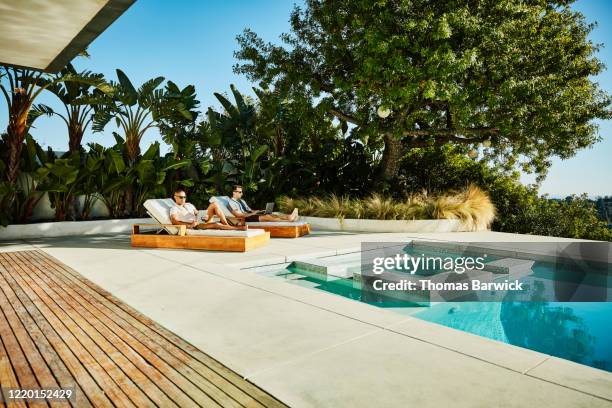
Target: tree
(20,88)
(134,110)
(232,137)
(520,209)
(177,120)
(78,117)
(513,75)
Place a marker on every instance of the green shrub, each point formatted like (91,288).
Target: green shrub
(519,208)
(574,217)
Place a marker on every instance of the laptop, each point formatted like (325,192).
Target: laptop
(268,210)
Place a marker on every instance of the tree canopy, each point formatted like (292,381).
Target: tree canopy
(514,75)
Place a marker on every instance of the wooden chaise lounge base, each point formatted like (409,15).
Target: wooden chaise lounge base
(182,241)
(285,231)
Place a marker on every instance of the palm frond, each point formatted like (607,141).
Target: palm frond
(37,111)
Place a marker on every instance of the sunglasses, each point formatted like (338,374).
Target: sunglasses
(178,196)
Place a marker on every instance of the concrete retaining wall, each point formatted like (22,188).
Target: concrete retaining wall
(359,225)
(68,228)
(122,226)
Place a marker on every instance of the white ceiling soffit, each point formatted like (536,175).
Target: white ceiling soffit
(48,34)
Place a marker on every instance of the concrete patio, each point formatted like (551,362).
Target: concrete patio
(310,348)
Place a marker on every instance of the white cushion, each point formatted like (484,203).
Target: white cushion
(277,224)
(223,203)
(225,233)
(159,208)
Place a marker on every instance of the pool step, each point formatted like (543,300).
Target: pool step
(512,266)
(343,267)
(338,267)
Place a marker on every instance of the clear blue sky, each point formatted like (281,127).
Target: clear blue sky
(192,42)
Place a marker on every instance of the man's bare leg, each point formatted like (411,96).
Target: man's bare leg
(214,209)
(281,217)
(219,226)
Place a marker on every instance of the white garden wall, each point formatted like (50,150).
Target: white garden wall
(69,228)
(123,226)
(359,225)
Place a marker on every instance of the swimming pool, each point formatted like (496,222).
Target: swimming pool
(576,331)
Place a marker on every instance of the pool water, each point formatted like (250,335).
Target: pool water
(576,331)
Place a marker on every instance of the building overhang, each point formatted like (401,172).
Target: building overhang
(46,35)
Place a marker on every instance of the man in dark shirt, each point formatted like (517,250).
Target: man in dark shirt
(240,209)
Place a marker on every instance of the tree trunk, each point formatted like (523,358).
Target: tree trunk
(75,136)
(16,132)
(132,148)
(392,154)
(60,212)
(13,163)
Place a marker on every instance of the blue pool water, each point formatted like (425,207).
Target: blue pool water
(580,332)
(576,331)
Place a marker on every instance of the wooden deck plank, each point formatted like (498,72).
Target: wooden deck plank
(71,331)
(104,371)
(198,361)
(113,347)
(23,372)
(110,359)
(175,356)
(145,362)
(36,340)
(196,386)
(8,379)
(33,355)
(90,388)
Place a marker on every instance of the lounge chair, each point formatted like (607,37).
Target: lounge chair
(277,229)
(179,236)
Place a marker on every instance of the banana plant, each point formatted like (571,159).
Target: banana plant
(235,126)
(28,182)
(115,180)
(7,191)
(152,171)
(90,169)
(134,110)
(20,88)
(61,182)
(232,134)
(77,117)
(222,175)
(177,119)
(18,200)
(251,171)
(147,178)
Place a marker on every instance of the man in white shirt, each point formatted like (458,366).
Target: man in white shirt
(241,210)
(184,213)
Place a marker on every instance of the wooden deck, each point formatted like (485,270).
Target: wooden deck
(57,329)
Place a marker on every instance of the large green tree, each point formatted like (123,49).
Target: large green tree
(515,76)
